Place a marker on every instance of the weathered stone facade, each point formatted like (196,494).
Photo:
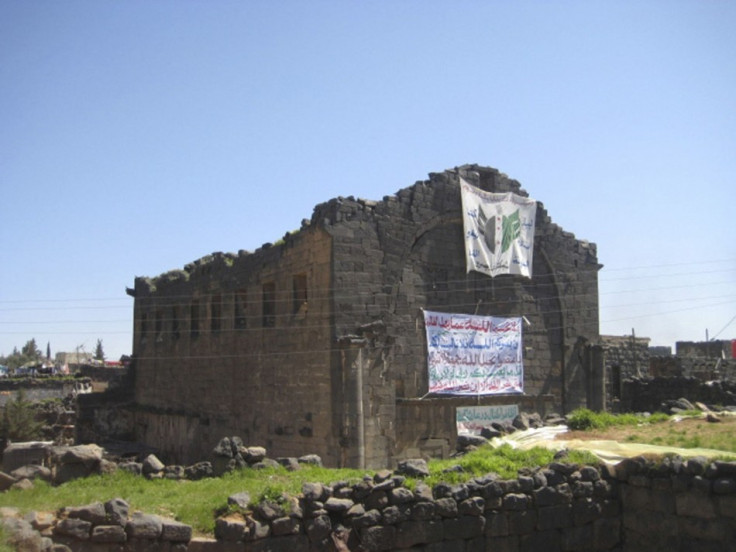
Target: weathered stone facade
(317,343)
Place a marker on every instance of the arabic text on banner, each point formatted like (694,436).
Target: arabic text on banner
(499,231)
(473,355)
(472,419)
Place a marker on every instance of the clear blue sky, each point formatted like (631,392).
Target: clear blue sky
(138,136)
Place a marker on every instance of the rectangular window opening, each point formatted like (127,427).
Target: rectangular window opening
(194,319)
(175,331)
(241,310)
(269,305)
(299,293)
(216,313)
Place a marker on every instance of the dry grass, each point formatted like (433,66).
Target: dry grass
(686,433)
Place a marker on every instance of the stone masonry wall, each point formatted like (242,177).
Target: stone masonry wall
(225,347)
(640,505)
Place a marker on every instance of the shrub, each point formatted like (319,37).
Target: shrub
(19,420)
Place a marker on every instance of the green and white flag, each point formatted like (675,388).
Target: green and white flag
(499,231)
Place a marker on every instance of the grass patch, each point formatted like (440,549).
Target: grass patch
(583,419)
(192,502)
(505,461)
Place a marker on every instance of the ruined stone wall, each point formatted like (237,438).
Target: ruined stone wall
(327,377)
(40,389)
(648,394)
(415,238)
(705,369)
(238,344)
(625,357)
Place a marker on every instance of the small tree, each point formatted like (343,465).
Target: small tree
(30,350)
(19,420)
(99,353)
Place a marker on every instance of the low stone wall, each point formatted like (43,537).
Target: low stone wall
(675,504)
(42,388)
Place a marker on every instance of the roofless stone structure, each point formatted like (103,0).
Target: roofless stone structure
(316,344)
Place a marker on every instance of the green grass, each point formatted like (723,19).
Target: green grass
(584,419)
(192,502)
(505,461)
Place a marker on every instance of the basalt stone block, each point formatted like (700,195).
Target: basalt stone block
(116,511)
(497,524)
(289,462)
(412,533)
(446,507)
(71,527)
(554,517)
(515,501)
(376,500)
(256,529)
(522,522)
(32,472)
(311,459)
(319,528)
(422,511)
(200,470)
(724,485)
(230,529)
(285,526)
(135,468)
(423,492)
(464,527)
(174,531)
(392,515)
(369,519)
(94,513)
(268,511)
(585,511)
(472,506)
(144,526)
(400,495)
(108,533)
(338,505)
(378,538)
(313,492)
(415,467)
(253,455)
(151,464)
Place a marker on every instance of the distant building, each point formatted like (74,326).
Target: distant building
(705,349)
(660,350)
(71,362)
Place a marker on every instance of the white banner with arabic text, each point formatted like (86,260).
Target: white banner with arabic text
(473,355)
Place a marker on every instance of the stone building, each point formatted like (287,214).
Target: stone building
(316,344)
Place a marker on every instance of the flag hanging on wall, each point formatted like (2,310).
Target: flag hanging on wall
(499,231)
(473,355)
